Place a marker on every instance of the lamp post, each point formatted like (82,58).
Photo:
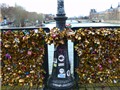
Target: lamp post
(61,18)
(61,77)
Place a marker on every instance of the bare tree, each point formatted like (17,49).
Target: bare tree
(4,9)
(19,15)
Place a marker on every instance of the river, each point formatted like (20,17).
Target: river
(74,23)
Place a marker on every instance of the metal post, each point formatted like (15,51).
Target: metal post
(61,78)
(61,18)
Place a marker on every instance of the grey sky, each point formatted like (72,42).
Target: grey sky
(72,7)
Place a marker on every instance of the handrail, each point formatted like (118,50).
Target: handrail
(48,29)
(25,28)
(97,27)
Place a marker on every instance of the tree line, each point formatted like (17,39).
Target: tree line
(20,17)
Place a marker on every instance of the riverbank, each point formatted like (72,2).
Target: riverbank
(112,21)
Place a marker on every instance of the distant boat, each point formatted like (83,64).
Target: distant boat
(97,20)
(40,25)
(79,21)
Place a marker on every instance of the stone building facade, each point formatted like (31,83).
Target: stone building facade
(110,15)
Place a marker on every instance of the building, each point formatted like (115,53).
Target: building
(110,15)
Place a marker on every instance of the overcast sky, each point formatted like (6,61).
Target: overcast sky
(72,7)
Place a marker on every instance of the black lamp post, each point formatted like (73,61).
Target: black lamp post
(61,78)
(61,18)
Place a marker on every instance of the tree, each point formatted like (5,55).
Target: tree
(4,10)
(19,15)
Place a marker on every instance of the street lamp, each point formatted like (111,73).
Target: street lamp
(61,77)
(61,18)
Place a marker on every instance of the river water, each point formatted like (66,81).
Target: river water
(74,23)
(70,44)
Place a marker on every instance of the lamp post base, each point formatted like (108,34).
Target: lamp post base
(61,84)
(61,78)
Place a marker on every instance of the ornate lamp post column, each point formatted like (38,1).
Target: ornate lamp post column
(61,78)
(61,18)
